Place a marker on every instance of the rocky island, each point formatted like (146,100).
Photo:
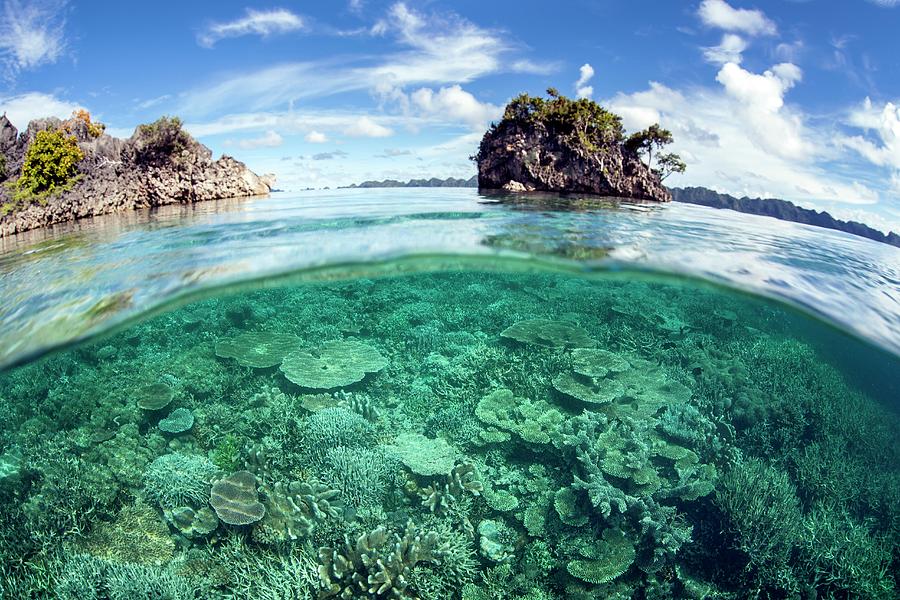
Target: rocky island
(564,145)
(61,170)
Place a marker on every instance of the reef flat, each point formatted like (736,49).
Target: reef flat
(473,435)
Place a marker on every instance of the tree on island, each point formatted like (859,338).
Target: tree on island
(655,137)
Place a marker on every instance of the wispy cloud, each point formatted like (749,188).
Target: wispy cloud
(270,139)
(720,14)
(255,22)
(31,34)
(434,49)
(329,155)
(151,102)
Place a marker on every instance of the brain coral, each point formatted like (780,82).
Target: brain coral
(334,364)
(549,334)
(257,349)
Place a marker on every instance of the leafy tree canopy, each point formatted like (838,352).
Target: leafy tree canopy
(583,120)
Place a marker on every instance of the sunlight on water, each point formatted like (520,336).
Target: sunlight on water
(478,430)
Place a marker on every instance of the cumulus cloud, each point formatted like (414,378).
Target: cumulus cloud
(34,105)
(760,105)
(255,22)
(367,127)
(729,50)
(881,123)
(720,14)
(316,137)
(269,139)
(582,89)
(455,104)
(31,34)
(742,138)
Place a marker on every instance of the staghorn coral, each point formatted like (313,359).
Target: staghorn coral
(361,475)
(377,564)
(334,428)
(177,479)
(332,365)
(293,510)
(257,349)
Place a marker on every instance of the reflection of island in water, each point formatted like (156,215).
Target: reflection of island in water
(766,207)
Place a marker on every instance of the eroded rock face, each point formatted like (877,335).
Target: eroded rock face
(524,158)
(119,175)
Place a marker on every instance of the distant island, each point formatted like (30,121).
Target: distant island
(780,209)
(557,144)
(768,207)
(434,182)
(62,170)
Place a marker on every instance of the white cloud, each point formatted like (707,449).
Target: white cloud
(534,68)
(263,23)
(886,3)
(718,13)
(582,89)
(34,105)
(31,34)
(269,139)
(884,123)
(735,138)
(367,127)
(316,137)
(153,101)
(438,49)
(760,105)
(729,50)
(455,104)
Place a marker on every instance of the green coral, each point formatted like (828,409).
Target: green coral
(534,421)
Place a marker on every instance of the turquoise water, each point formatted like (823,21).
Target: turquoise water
(432,394)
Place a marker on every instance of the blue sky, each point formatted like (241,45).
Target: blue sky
(791,99)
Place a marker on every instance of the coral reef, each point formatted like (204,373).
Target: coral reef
(621,439)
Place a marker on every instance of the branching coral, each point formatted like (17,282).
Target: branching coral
(377,565)
(440,498)
(293,509)
(177,479)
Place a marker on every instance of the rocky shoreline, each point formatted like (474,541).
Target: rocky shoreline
(159,164)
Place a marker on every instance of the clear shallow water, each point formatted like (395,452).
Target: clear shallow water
(82,277)
(513,415)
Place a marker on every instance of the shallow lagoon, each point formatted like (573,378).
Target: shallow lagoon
(485,431)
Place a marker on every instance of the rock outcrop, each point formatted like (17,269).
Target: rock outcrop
(159,164)
(527,152)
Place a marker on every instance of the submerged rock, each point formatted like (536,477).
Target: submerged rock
(159,164)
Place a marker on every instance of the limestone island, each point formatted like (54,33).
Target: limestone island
(62,170)
(573,146)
